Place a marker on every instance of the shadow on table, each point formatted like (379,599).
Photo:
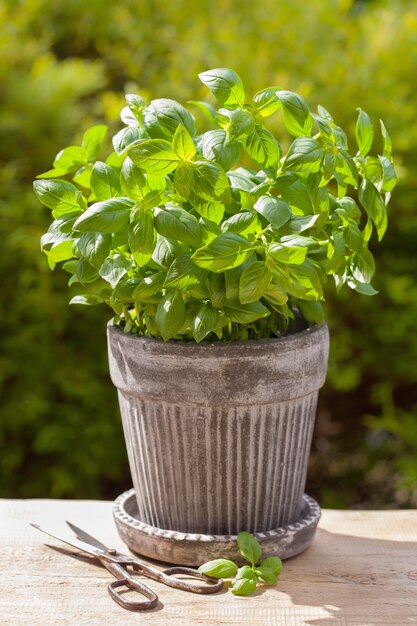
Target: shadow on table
(357,581)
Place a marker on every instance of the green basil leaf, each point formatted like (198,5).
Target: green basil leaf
(175,222)
(133,180)
(241,179)
(308,279)
(95,247)
(206,109)
(340,137)
(295,192)
(142,236)
(212,211)
(245,313)
(82,176)
(337,253)
(225,251)
(183,144)
(241,124)
(59,230)
(170,314)
(323,125)
(275,296)
(299,241)
(297,118)
(266,575)
(364,288)
(155,156)
(60,251)
(110,216)
(69,159)
(104,181)
(300,223)
(389,177)
(216,147)
(246,571)
(138,185)
(136,104)
(183,179)
(84,273)
(219,568)
(284,254)
(60,196)
(363,266)
(217,289)
(305,154)
(114,160)
(89,299)
(209,230)
(149,286)
(364,132)
(324,113)
(232,278)
(93,140)
(244,223)
(387,145)
(276,211)
(170,114)
(254,281)
(204,321)
(183,273)
(210,181)
(165,251)
(274,563)
(354,238)
(312,311)
(374,206)
(373,170)
(124,290)
(127,138)
(114,269)
(244,586)
(225,85)
(263,148)
(329,165)
(346,172)
(267,101)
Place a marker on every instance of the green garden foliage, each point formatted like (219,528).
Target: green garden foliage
(63,68)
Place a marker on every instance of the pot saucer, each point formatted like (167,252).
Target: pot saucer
(194,549)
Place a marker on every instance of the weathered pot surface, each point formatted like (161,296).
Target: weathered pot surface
(218,434)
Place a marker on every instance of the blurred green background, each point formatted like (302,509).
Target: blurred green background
(65,66)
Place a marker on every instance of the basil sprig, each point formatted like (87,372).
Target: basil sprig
(246,578)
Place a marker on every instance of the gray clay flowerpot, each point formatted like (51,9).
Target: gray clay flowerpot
(218,434)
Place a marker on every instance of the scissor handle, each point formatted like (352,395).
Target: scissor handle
(212,585)
(125,580)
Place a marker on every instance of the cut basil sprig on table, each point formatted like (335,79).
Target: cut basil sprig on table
(195,233)
(246,578)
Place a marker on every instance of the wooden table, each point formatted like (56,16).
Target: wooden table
(360,571)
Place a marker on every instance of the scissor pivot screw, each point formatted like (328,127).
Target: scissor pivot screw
(112,551)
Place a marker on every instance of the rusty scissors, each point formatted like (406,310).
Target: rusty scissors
(118,564)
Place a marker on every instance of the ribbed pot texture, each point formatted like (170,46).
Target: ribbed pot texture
(218,434)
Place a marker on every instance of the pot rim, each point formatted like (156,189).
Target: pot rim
(181,344)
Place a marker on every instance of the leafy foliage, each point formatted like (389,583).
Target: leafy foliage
(172,177)
(246,578)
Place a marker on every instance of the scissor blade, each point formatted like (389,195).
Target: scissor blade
(72,542)
(83,536)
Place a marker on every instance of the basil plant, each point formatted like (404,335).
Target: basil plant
(217,234)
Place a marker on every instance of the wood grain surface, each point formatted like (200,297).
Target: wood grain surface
(360,571)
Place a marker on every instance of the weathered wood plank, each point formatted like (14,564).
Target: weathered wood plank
(360,571)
